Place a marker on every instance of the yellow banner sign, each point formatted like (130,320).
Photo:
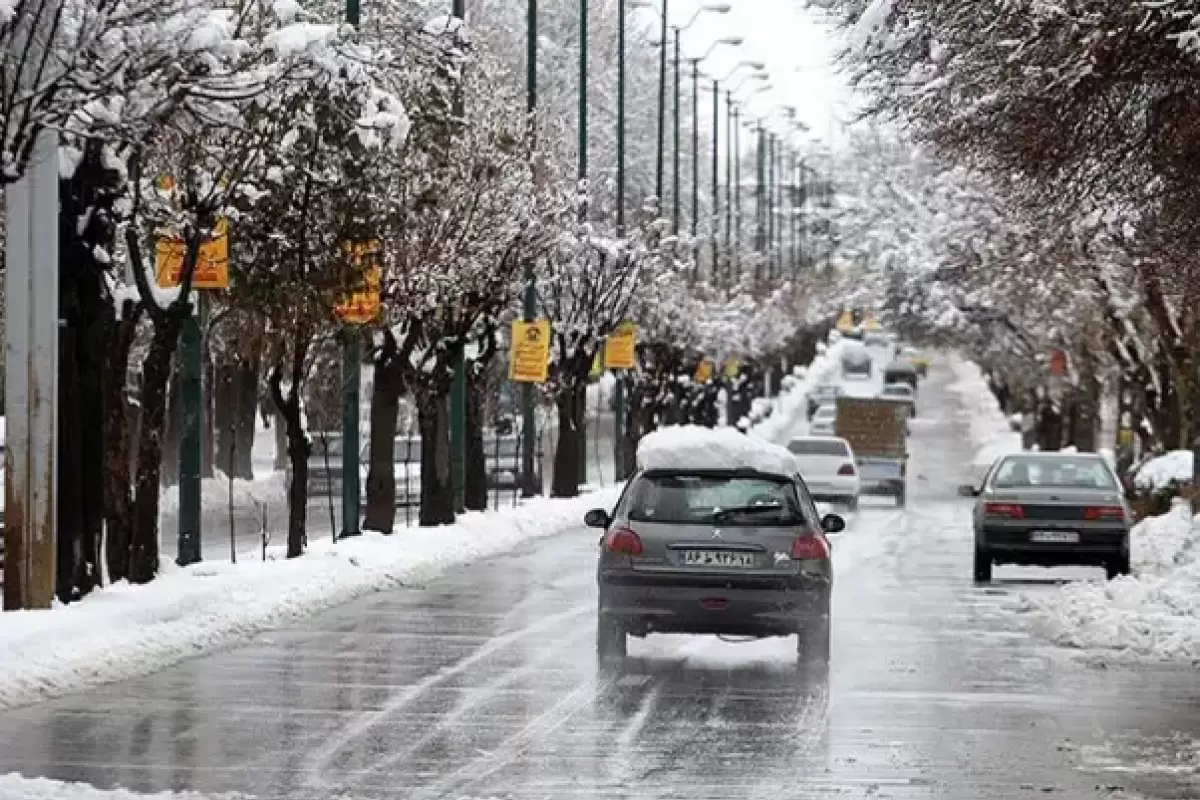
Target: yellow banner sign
(363,305)
(870,323)
(846,321)
(620,350)
(529,356)
(704,371)
(212,263)
(733,368)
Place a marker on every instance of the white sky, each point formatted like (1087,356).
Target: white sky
(797,48)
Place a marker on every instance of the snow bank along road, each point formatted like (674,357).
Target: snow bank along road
(483,684)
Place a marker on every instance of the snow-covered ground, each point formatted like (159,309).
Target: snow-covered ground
(990,431)
(793,399)
(16,787)
(1161,472)
(1152,614)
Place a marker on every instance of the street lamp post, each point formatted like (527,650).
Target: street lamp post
(675,155)
(770,206)
(759,208)
(530,485)
(715,215)
(736,215)
(695,167)
(730,256)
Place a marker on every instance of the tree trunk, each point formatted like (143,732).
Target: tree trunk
(208,437)
(118,434)
(475,465)
(69,463)
(437,495)
(281,440)
(381,470)
(299,451)
(246,418)
(224,414)
(565,482)
(156,373)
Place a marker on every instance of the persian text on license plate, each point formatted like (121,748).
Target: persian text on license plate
(1055,537)
(717,558)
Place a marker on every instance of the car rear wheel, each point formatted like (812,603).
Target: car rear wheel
(611,639)
(1116,567)
(983,566)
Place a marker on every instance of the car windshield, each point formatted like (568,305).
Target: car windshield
(826,412)
(818,447)
(690,499)
(1057,472)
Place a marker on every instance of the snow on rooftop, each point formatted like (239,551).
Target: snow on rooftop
(685,447)
(1158,473)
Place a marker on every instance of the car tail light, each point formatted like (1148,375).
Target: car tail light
(623,541)
(1104,512)
(1010,510)
(846,469)
(810,548)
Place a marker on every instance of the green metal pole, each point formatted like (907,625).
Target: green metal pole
(770,206)
(619,389)
(715,213)
(530,484)
(351,373)
(458,381)
(675,156)
(661,143)
(583,174)
(736,216)
(191,396)
(729,158)
(695,168)
(351,377)
(759,207)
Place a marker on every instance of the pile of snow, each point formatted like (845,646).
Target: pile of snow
(16,787)
(270,490)
(126,631)
(991,433)
(1152,614)
(696,447)
(1160,472)
(792,403)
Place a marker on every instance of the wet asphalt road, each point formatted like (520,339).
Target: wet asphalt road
(483,685)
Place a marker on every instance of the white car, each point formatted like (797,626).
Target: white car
(827,466)
(823,421)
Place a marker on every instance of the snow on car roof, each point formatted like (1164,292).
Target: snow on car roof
(685,447)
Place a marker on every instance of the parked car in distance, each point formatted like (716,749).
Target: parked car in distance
(1050,509)
(827,467)
(737,551)
(823,394)
(856,364)
(901,372)
(823,422)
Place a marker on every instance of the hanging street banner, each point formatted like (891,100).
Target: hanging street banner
(363,305)
(845,322)
(620,349)
(212,264)
(870,323)
(597,365)
(704,371)
(529,355)
(733,368)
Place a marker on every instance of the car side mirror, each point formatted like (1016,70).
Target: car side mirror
(968,490)
(832,523)
(597,518)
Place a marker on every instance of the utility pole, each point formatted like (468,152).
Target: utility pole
(737,195)
(770,206)
(530,485)
(458,382)
(675,156)
(695,169)
(619,386)
(31,352)
(583,162)
(730,256)
(715,215)
(759,206)
(662,113)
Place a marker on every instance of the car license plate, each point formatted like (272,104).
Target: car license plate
(1055,537)
(717,558)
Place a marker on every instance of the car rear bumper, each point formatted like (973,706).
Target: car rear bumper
(831,490)
(733,605)
(1012,545)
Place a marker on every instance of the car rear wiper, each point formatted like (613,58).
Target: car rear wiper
(721,514)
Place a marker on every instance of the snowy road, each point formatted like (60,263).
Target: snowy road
(483,685)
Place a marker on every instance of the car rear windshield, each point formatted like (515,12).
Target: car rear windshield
(731,500)
(898,390)
(818,447)
(1065,472)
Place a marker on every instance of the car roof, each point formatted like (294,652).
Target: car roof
(1053,455)
(819,438)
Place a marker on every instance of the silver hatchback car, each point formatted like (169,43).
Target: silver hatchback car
(729,552)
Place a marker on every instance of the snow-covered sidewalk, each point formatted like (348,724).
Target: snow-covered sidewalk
(990,432)
(1153,614)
